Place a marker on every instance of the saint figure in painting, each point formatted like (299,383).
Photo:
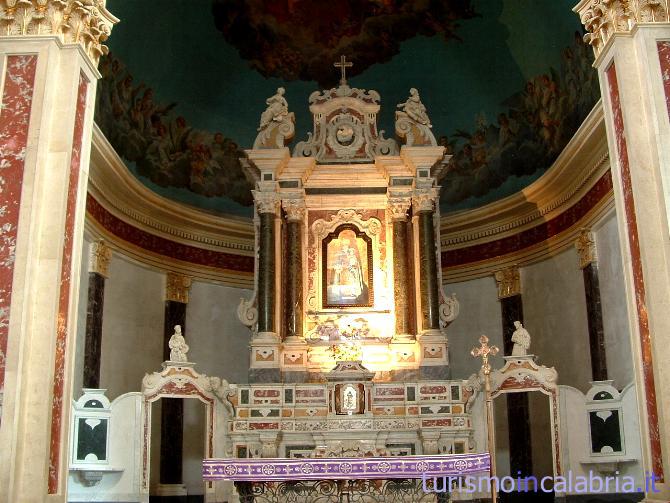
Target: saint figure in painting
(347,267)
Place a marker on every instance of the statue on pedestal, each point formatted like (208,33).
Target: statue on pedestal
(178,346)
(277,123)
(412,122)
(521,340)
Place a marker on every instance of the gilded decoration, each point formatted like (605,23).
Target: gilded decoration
(509,282)
(84,22)
(604,18)
(586,248)
(100,255)
(177,287)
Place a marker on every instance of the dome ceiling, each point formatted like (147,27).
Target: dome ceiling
(506,84)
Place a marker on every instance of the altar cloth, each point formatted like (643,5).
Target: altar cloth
(391,467)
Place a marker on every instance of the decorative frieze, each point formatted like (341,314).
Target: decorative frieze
(509,282)
(586,247)
(99,258)
(604,18)
(177,287)
(84,22)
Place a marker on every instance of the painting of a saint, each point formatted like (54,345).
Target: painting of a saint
(347,269)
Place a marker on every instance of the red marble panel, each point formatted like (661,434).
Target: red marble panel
(530,237)
(664,58)
(263,426)
(638,276)
(386,391)
(266,393)
(432,390)
(62,326)
(436,422)
(17,98)
(165,247)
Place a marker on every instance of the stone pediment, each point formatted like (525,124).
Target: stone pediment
(345,127)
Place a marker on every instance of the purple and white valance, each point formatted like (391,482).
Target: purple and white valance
(392,467)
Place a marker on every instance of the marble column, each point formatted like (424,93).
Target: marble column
(172,409)
(402,291)
(630,41)
(295,215)
(49,54)
(265,346)
(98,269)
(518,410)
(424,207)
(586,247)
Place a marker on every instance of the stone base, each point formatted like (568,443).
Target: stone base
(264,376)
(404,375)
(294,376)
(434,372)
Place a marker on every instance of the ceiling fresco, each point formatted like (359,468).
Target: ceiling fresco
(506,84)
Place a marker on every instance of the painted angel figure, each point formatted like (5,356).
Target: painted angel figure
(415,109)
(521,340)
(276,111)
(178,346)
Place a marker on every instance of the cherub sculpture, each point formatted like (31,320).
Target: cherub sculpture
(521,340)
(178,346)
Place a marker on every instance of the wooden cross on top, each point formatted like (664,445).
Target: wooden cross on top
(343,65)
(484,350)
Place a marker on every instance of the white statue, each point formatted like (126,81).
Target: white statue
(415,109)
(276,111)
(178,346)
(521,340)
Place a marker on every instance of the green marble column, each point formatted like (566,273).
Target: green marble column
(402,289)
(266,273)
(293,285)
(430,301)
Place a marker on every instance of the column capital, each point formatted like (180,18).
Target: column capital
(425,199)
(177,287)
(509,282)
(99,257)
(605,18)
(266,202)
(84,22)
(399,206)
(586,247)
(295,208)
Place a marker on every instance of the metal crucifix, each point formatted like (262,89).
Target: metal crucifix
(343,64)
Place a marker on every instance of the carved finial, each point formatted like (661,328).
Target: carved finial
(484,350)
(343,64)
(509,282)
(178,346)
(586,247)
(177,287)
(521,340)
(99,258)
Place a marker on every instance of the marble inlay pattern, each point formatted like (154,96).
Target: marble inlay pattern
(17,99)
(638,276)
(664,58)
(64,293)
